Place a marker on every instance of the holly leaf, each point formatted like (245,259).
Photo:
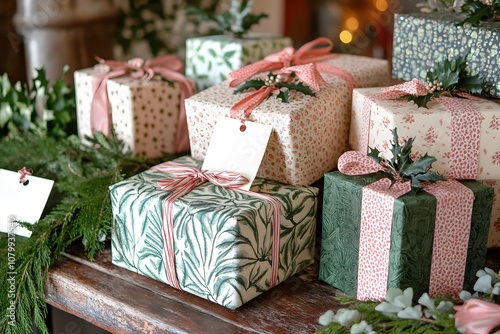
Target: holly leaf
(477,12)
(420,166)
(472,84)
(420,101)
(284,95)
(249,84)
(252,19)
(299,87)
(395,150)
(374,154)
(431,177)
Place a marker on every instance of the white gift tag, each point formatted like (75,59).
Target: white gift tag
(234,150)
(20,202)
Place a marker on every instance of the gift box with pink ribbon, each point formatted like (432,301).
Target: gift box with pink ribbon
(141,101)
(462,133)
(304,94)
(196,231)
(378,234)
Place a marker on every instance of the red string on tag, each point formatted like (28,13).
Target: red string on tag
(23,174)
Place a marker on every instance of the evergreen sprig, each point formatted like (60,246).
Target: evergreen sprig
(449,78)
(236,21)
(81,211)
(284,86)
(478,11)
(39,108)
(401,167)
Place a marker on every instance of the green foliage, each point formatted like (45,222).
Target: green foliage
(449,78)
(80,210)
(237,20)
(401,166)
(38,109)
(478,11)
(284,86)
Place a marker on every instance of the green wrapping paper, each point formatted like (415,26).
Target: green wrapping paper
(411,239)
(222,238)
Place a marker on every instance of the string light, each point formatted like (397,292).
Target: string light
(352,23)
(381,5)
(345,36)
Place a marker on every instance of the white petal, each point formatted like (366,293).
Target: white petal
(326,318)
(427,301)
(483,284)
(386,307)
(411,313)
(445,306)
(392,293)
(465,295)
(359,328)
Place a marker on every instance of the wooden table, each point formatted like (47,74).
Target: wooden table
(120,301)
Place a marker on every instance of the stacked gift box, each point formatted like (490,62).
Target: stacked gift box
(227,245)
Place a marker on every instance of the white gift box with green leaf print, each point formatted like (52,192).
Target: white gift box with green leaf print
(210,58)
(222,238)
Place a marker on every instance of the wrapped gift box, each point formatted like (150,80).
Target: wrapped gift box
(222,238)
(423,40)
(430,127)
(309,133)
(412,234)
(494,234)
(210,58)
(144,113)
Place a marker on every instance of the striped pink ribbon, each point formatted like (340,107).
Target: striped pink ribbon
(451,232)
(168,67)
(184,179)
(465,125)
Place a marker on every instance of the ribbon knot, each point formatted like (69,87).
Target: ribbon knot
(184,179)
(168,67)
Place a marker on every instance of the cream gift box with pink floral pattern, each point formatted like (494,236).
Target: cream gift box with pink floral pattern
(432,129)
(309,133)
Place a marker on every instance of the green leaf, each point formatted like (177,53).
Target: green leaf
(249,84)
(299,87)
(420,166)
(229,54)
(473,84)
(420,101)
(374,154)
(284,95)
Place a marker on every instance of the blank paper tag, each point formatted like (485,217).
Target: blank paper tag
(237,151)
(20,202)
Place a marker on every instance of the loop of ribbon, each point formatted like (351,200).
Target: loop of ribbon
(477,316)
(23,174)
(466,122)
(184,179)
(168,67)
(451,232)
(302,62)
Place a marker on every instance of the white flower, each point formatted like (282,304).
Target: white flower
(427,301)
(326,318)
(409,312)
(445,306)
(360,328)
(346,317)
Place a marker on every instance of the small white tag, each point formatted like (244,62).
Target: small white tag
(20,202)
(234,150)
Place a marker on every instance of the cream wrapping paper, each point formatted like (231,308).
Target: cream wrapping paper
(309,133)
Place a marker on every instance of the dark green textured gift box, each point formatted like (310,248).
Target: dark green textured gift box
(411,239)
(422,40)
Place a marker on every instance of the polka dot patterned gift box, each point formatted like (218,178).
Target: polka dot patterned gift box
(422,40)
(144,113)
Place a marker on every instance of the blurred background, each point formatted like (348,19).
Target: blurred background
(52,33)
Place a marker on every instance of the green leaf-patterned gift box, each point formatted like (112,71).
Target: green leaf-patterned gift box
(210,58)
(412,234)
(422,40)
(222,238)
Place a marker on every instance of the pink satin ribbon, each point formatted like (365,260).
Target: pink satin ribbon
(465,126)
(451,236)
(303,62)
(183,180)
(477,316)
(168,67)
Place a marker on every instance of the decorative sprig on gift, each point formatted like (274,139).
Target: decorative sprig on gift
(285,83)
(449,78)
(480,10)
(237,21)
(401,167)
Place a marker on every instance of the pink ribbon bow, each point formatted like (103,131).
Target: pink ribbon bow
(286,61)
(477,316)
(306,73)
(184,180)
(168,67)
